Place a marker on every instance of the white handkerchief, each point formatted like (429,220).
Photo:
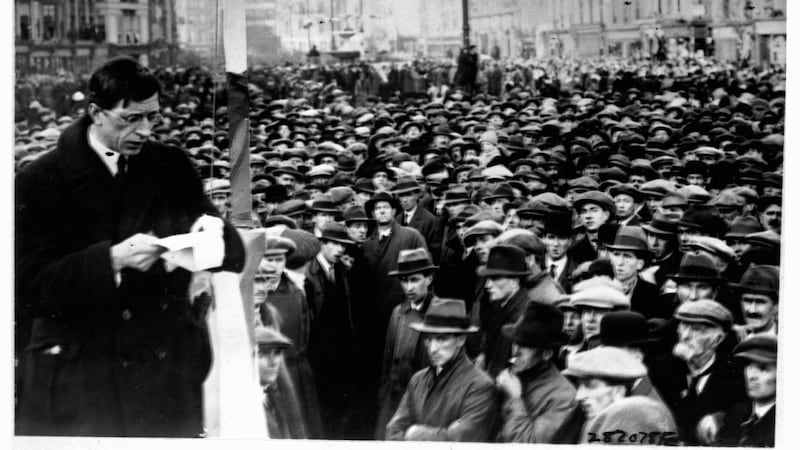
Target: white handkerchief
(201,250)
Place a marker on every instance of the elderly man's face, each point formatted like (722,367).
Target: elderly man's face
(697,341)
(759,311)
(501,288)
(269,365)
(443,347)
(761,381)
(595,395)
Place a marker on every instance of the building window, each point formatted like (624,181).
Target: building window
(49,20)
(726,8)
(128,27)
(24,28)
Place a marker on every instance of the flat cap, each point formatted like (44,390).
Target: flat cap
(602,200)
(278,245)
(481,228)
(760,347)
(269,337)
(716,247)
(524,239)
(768,239)
(600,296)
(705,311)
(583,183)
(605,362)
(657,188)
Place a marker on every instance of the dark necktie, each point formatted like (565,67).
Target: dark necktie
(122,169)
(553,271)
(692,389)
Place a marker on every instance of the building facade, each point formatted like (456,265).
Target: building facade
(198,26)
(78,35)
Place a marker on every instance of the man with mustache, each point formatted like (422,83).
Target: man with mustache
(758,293)
(450,400)
(696,380)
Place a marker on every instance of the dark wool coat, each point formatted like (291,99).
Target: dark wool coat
(741,429)
(382,258)
(547,400)
(459,404)
(496,347)
(428,226)
(645,300)
(132,358)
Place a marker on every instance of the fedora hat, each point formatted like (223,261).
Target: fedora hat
(406,185)
(336,232)
(626,189)
(504,261)
(625,328)
(381,196)
(503,190)
(354,214)
(662,226)
(631,239)
(323,203)
(540,327)
(445,316)
(759,279)
(413,261)
(558,223)
(697,267)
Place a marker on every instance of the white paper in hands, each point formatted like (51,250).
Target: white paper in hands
(197,251)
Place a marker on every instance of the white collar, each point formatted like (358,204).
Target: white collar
(326,266)
(384,233)
(560,264)
(705,367)
(760,411)
(411,213)
(108,156)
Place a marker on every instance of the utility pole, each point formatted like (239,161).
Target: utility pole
(465,19)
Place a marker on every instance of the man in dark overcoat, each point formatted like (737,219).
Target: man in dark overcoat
(117,347)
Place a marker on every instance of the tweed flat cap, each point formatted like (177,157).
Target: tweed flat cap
(605,362)
(761,348)
(600,296)
(716,247)
(705,311)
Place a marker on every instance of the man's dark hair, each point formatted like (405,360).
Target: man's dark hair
(121,78)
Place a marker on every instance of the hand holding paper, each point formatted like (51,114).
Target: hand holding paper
(201,249)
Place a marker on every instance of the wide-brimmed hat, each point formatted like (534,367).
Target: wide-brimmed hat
(661,226)
(406,185)
(456,194)
(697,267)
(540,327)
(742,226)
(445,316)
(631,239)
(503,190)
(705,218)
(625,328)
(413,261)
(336,232)
(627,189)
(381,196)
(504,261)
(759,279)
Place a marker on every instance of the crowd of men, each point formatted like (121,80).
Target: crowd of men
(589,261)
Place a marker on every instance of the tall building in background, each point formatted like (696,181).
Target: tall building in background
(78,35)
(198,28)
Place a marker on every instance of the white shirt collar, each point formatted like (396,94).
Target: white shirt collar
(560,264)
(410,214)
(761,410)
(326,266)
(384,233)
(108,156)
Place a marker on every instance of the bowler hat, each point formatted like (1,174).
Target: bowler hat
(697,267)
(413,261)
(540,327)
(381,196)
(624,328)
(760,347)
(269,337)
(760,279)
(504,261)
(705,311)
(558,223)
(445,316)
(406,186)
(336,232)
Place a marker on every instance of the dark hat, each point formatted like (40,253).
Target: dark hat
(761,348)
(558,223)
(364,185)
(406,185)
(381,196)
(660,225)
(457,194)
(705,218)
(280,220)
(631,239)
(759,279)
(291,208)
(742,226)
(307,247)
(697,267)
(275,193)
(767,239)
(540,327)
(346,163)
(413,261)
(354,214)
(277,245)
(705,311)
(336,232)
(287,170)
(504,261)
(445,316)
(624,328)
(626,189)
(323,203)
(503,190)
(269,337)
(524,239)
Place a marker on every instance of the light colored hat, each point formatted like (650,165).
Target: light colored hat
(712,245)
(705,311)
(605,362)
(599,294)
(215,185)
(499,171)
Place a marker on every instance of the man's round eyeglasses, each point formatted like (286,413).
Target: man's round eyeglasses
(154,118)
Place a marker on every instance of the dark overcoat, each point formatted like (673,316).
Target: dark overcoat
(102,359)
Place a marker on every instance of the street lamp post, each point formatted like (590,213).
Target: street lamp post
(465,19)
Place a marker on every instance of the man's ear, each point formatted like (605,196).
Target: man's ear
(94,111)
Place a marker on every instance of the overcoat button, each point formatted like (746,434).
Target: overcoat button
(126,315)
